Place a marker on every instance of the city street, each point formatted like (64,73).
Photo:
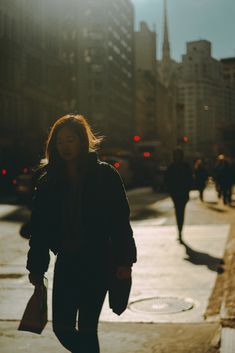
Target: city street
(147,86)
(172,282)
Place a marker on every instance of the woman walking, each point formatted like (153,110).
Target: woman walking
(80,211)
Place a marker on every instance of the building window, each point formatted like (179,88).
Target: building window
(96,68)
(96,36)
(73,35)
(116,49)
(85,32)
(34,72)
(1,24)
(71,58)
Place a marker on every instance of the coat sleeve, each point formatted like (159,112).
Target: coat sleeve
(121,234)
(38,255)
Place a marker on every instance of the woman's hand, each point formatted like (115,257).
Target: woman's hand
(36,279)
(123,272)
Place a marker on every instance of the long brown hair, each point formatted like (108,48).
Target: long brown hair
(88,140)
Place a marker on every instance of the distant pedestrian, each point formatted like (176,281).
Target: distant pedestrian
(80,212)
(233,174)
(179,182)
(200,177)
(223,176)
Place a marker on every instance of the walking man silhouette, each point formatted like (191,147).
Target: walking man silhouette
(179,182)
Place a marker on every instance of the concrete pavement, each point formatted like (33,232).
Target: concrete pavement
(120,338)
(172,284)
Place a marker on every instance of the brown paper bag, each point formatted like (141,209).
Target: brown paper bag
(35,315)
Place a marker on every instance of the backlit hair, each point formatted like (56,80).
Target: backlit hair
(88,140)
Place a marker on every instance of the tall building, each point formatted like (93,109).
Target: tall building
(228,67)
(168,113)
(63,56)
(145,83)
(228,126)
(30,76)
(166,67)
(98,47)
(201,93)
(145,49)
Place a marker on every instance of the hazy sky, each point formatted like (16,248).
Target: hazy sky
(190,20)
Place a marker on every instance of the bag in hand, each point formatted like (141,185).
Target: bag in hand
(35,315)
(119,292)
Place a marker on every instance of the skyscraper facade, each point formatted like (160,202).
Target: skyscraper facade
(64,56)
(166,67)
(168,113)
(101,61)
(30,71)
(145,83)
(145,49)
(201,93)
(228,67)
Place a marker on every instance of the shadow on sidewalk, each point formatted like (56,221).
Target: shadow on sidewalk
(20,215)
(200,258)
(143,214)
(215,207)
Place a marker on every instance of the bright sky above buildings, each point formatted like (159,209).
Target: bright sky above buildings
(189,20)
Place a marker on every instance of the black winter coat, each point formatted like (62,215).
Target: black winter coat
(104,216)
(179,180)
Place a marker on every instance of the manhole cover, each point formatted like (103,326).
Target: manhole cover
(162,305)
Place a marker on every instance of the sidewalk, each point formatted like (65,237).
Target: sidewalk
(120,338)
(165,270)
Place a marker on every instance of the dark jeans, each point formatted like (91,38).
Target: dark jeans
(201,188)
(226,194)
(180,204)
(78,289)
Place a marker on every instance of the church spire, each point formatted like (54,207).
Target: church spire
(166,44)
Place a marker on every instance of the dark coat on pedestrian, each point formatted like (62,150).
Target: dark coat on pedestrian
(179,180)
(223,174)
(200,177)
(103,219)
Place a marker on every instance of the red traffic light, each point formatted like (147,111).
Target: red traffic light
(25,170)
(4,172)
(146,154)
(136,138)
(185,139)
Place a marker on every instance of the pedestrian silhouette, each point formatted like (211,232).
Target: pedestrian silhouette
(200,177)
(179,182)
(223,177)
(80,212)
